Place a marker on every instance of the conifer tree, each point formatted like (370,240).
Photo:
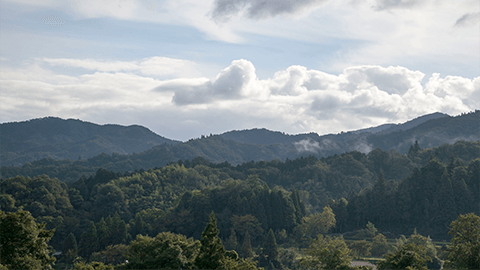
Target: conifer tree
(103,234)
(89,241)
(270,249)
(212,252)
(247,251)
(232,243)
(70,248)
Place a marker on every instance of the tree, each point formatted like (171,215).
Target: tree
(24,242)
(319,223)
(247,251)
(232,243)
(371,230)
(464,251)
(270,252)
(379,245)
(212,252)
(111,254)
(327,253)
(361,248)
(270,247)
(165,251)
(70,249)
(409,256)
(89,241)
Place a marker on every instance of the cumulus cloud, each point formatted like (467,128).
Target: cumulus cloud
(468,19)
(234,82)
(393,80)
(223,10)
(294,100)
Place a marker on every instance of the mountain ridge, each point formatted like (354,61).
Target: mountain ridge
(53,137)
(233,146)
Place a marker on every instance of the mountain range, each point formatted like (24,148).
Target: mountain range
(59,139)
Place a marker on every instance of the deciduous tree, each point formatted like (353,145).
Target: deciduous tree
(24,242)
(327,253)
(464,252)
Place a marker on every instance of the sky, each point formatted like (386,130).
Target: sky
(186,68)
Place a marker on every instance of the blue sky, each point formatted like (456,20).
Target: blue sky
(187,68)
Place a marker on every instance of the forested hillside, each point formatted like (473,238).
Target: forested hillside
(65,141)
(56,138)
(110,207)
(99,215)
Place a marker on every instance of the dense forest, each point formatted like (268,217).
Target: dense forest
(379,194)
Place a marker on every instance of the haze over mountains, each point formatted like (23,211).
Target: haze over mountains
(56,138)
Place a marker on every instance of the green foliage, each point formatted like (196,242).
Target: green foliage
(114,254)
(361,248)
(231,243)
(89,241)
(270,252)
(212,252)
(429,199)
(464,251)
(409,256)
(319,223)
(327,253)
(70,248)
(91,266)
(164,251)
(246,250)
(23,242)
(179,197)
(379,245)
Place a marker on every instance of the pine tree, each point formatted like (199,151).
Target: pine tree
(232,243)
(103,234)
(70,249)
(247,251)
(212,252)
(89,241)
(270,248)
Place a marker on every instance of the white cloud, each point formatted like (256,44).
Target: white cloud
(294,100)
(153,66)
(234,82)
(307,146)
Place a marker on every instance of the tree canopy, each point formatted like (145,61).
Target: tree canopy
(24,242)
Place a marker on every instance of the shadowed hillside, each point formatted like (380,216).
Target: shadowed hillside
(56,138)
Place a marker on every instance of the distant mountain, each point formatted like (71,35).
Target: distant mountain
(265,137)
(218,148)
(415,122)
(430,133)
(388,128)
(57,138)
(60,139)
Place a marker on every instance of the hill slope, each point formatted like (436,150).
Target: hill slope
(19,145)
(56,138)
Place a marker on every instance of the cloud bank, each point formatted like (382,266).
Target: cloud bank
(294,100)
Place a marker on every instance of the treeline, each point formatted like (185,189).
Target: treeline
(428,200)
